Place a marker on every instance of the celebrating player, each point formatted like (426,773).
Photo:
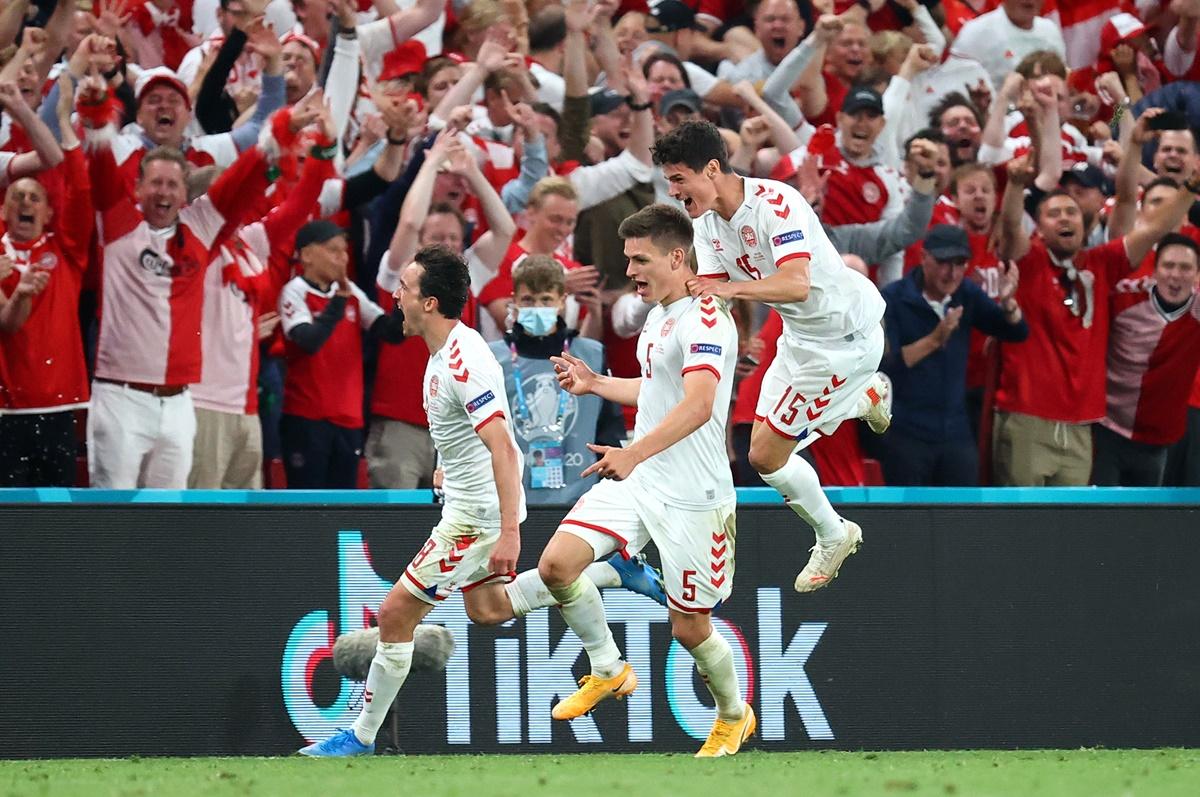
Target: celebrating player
(759,239)
(477,540)
(671,485)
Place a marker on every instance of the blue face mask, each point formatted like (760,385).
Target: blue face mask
(538,321)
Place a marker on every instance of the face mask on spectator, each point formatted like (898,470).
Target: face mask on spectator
(538,321)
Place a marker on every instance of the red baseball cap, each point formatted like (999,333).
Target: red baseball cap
(407,58)
(1120,28)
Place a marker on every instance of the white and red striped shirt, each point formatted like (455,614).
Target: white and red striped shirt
(153,281)
(242,284)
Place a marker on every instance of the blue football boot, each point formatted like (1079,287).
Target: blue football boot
(343,744)
(637,575)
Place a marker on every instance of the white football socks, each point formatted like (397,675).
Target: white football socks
(583,610)
(714,660)
(528,592)
(388,670)
(797,482)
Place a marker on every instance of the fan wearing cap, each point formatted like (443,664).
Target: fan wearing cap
(1085,183)
(930,313)
(323,316)
(860,187)
(156,249)
(1052,386)
(164,111)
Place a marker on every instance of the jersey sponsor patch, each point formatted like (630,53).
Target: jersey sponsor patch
(480,400)
(788,237)
(705,348)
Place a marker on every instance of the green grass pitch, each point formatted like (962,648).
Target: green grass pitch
(1043,773)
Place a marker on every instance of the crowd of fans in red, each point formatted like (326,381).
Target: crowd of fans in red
(208,205)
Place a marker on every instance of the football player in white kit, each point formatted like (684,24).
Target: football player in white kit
(672,484)
(760,240)
(476,544)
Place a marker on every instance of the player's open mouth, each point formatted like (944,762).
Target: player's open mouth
(688,204)
(642,286)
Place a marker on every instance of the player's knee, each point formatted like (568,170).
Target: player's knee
(393,617)
(690,629)
(765,459)
(557,573)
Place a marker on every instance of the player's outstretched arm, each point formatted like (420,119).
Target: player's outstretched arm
(790,284)
(506,470)
(576,378)
(699,393)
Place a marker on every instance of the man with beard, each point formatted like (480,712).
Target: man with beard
(961,124)
(1052,387)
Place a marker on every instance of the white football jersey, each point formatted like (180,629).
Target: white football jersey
(687,335)
(774,225)
(463,391)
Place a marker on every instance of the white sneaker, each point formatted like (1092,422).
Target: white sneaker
(824,563)
(875,406)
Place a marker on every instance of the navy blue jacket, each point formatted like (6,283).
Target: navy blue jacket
(929,399)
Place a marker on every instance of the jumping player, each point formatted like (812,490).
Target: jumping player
(672,484)
(759,239)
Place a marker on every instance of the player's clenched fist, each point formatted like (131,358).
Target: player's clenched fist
(574,375)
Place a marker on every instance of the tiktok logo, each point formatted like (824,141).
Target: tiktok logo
(534,671)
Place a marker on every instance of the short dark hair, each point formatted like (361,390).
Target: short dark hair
(667,227)
(445,278)
(547,29)
(1160,182)
(447,209)
(546,109)
(670,58)
(169,154)
(1057,192)
(953,100)
(694,144)
(434,65)
(1176,239)
(928,133)
(1040,63)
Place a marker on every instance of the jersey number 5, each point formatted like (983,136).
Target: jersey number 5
(743,263)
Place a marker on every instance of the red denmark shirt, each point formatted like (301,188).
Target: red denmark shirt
(1059,373)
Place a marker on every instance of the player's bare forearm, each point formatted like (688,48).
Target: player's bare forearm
(506,469)
(618,390)
(790,284)
(699,393)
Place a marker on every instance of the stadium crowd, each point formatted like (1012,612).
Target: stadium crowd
(209,203)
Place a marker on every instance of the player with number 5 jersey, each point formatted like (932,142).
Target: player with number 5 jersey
(671,485)
(760,240)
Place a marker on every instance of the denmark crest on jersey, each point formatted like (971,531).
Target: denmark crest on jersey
(433,386)
(47,261)
(870,193)
(748,236)
(717,245)
(667,326)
